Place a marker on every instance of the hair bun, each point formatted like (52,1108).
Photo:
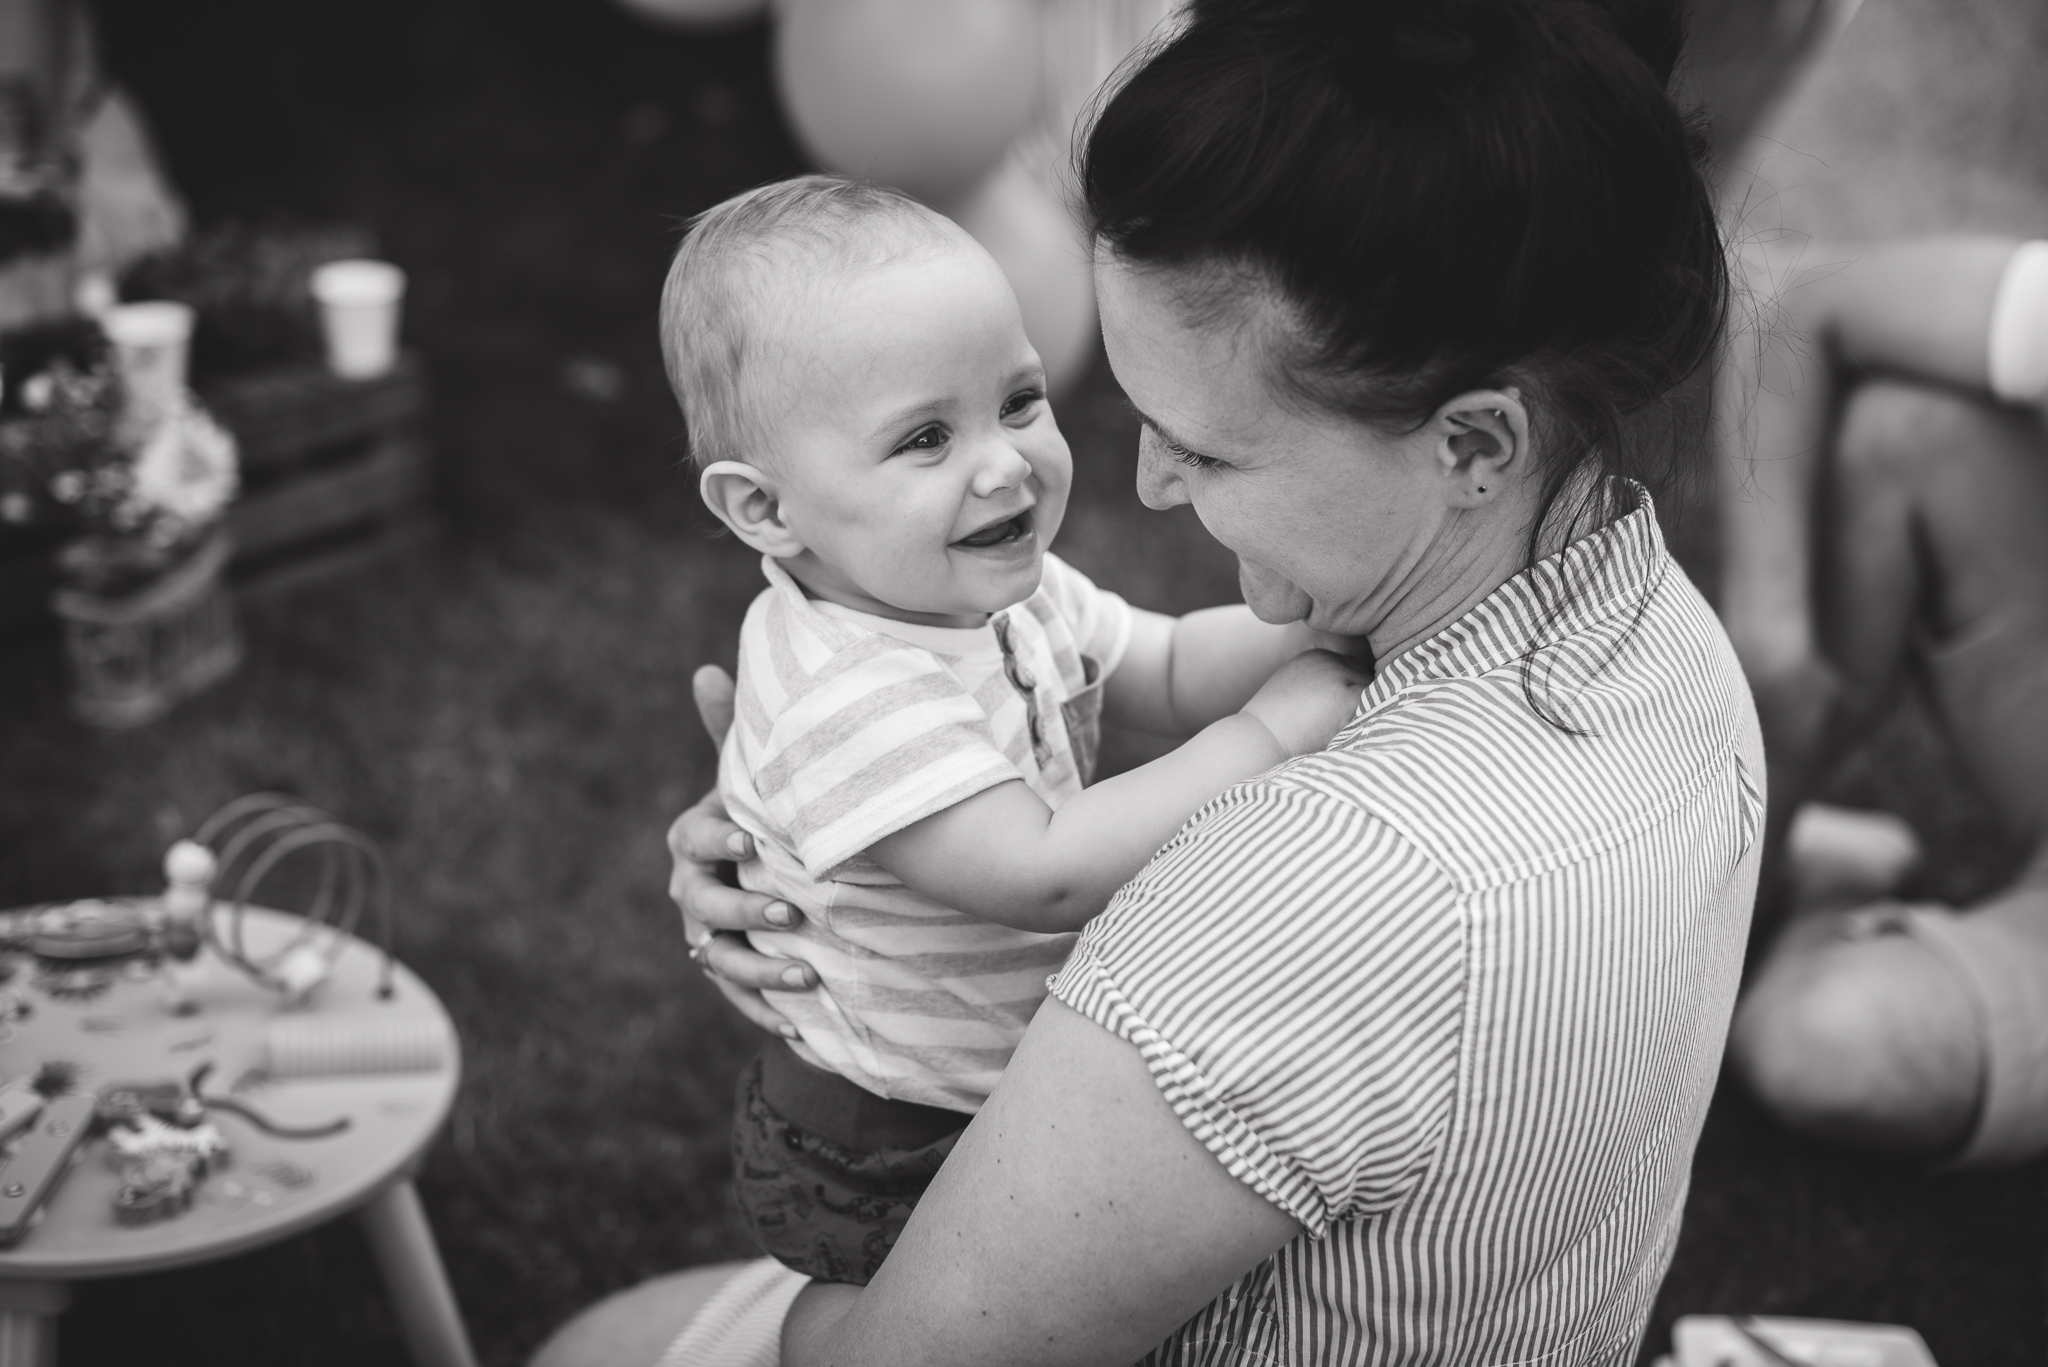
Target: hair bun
(1430,41)
(1391,51)
(1434,40)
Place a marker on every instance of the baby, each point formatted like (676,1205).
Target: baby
(921,685)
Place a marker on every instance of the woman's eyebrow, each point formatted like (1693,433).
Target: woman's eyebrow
(1157,426)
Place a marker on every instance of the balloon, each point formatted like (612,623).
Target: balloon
(924,95)
(1044,253)
(695,13)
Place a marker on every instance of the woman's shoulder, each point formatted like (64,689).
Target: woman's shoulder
(1543,758)
(1307,834)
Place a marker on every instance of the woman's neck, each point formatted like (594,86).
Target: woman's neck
(1478,550)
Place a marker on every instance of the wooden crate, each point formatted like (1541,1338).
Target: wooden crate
(333,472)
(333,478)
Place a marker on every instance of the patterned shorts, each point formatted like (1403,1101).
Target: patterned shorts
(827,1173)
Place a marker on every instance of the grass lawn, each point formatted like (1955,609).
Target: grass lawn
(508,710)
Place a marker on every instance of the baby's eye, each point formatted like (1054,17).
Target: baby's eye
(1022,402)
(925,439)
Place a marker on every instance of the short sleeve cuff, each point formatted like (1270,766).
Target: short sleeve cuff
(1086,986)
(968,772)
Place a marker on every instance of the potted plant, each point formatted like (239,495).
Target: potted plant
(141,489)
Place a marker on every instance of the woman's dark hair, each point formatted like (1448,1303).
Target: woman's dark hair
(1451,195)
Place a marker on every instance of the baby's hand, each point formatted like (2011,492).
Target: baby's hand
(1309,699)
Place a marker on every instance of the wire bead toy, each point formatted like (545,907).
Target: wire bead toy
(255,838)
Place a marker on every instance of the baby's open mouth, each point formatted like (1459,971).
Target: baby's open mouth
(998,533)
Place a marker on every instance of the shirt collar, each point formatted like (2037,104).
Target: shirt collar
(1556,598)
(958,642)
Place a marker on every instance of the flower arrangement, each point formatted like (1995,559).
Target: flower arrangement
(138,497)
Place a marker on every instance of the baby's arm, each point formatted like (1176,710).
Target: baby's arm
(1004,856)
(1179,674)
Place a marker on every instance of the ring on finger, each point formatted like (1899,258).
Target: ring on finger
(700,955)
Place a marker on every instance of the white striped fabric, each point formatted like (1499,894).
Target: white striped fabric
(1453,992)
(849,728)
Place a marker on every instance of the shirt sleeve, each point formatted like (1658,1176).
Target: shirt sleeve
(1099,619)
(880,738)
(1292,971)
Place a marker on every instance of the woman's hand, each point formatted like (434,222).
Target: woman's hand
(716,915)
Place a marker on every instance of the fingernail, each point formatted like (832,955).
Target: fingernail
(737,844)
(796,977)
(788,1031)
(781,914)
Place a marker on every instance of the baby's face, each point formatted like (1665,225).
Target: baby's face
(913,451)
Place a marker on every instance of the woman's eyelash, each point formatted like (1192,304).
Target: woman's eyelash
(1182,454)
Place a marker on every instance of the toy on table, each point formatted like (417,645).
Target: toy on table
(38,1159)
(251,839)
(1777,1341)
(20,1104)
(211,881)
(160,1140)
(158,1134)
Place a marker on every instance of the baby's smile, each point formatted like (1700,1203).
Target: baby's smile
(917,467)
(1016,534)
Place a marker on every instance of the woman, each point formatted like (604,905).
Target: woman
(1399,1053)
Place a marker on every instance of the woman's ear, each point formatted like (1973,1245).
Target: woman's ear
(1482,445)
(744,499)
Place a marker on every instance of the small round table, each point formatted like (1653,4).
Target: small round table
(119,1028)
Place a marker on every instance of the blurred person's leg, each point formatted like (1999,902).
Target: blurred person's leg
(635,1327)
(1870,1026)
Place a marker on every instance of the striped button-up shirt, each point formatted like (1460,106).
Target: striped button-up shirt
(1453,992)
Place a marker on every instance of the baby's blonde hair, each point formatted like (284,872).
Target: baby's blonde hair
(736,257)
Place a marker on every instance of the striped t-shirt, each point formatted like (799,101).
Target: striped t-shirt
(850,727)
(1453,992)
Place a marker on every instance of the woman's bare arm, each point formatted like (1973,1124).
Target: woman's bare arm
(1077,1224)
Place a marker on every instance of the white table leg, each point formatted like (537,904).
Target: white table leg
(28,1322)
(413,1277)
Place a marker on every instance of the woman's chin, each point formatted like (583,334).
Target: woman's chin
(1271,597)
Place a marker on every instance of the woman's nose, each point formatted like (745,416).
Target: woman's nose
(1159,482)
(1003,467)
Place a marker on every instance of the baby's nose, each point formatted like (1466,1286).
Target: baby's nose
(1004,467)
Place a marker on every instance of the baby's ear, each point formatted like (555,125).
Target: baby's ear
(745,500)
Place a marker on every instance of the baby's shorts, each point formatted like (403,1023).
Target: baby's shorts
(827,1172)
